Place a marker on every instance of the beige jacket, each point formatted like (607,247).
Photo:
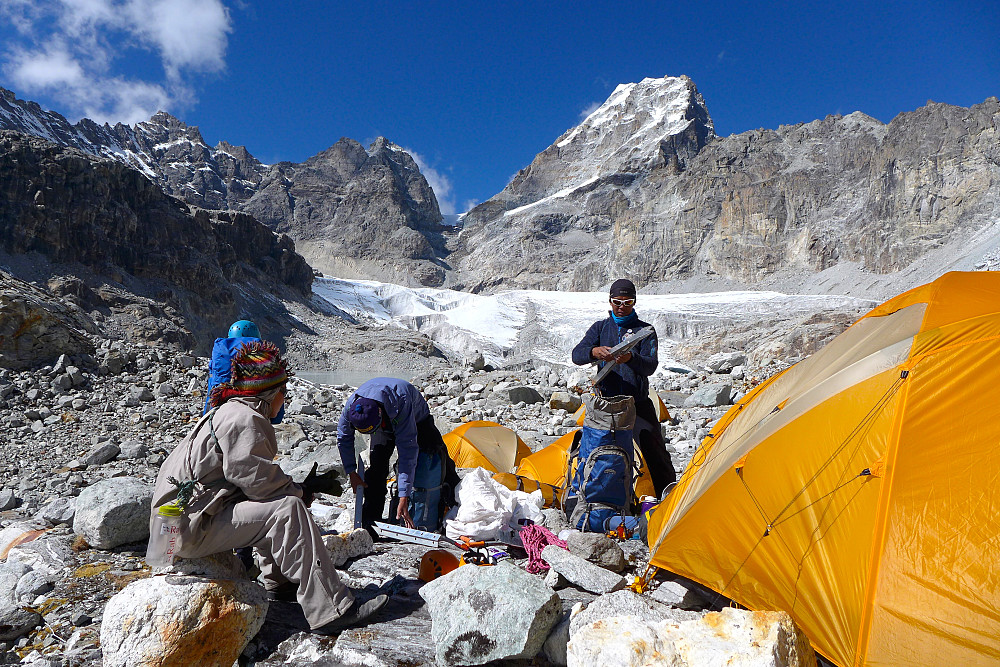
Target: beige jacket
(237,465)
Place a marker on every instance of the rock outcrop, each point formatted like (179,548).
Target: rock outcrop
(207,267)
(357,213)
(36,327)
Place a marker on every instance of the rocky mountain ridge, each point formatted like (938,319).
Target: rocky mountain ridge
(354,212)
(642,187)
(358,213)
(751,209)
(119,237)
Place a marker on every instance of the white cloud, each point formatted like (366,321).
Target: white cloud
(189,34)
(591,108)
(40,70)
(72,49)
(440,183)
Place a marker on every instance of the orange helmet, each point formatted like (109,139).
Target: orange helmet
(435,563)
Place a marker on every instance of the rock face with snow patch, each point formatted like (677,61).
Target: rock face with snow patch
(353,212)
(357,212)
(643,188)
(164,149)
(211,267)
(550,226)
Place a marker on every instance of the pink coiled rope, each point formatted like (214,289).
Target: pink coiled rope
(535,538)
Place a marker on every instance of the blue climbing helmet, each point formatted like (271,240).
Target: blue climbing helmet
(244,329)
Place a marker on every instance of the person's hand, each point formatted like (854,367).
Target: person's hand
(403,512)
(602,353)
(356,481)
(624,358)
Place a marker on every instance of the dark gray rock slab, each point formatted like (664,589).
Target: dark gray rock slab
(597,548)
(581,572)
(709,396)
(482,614)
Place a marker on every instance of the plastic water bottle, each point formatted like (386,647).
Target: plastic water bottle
(164,536)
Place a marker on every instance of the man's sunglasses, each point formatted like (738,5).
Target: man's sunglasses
(621,303)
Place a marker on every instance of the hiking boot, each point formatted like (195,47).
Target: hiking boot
(358,614)
(286,592)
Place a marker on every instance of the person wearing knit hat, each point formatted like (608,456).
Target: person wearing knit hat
(630,376)
(221,362)
(396,417)
(242,498)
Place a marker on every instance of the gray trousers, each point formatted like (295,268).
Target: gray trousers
(291,548)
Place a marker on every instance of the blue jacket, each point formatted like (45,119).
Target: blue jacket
(404,406)
(630,378)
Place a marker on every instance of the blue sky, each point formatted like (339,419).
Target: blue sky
(475,90)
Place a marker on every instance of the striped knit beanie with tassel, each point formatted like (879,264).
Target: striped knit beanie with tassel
(257,368)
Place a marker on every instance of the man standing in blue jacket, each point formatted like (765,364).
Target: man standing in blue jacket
(630,376)
(395,415)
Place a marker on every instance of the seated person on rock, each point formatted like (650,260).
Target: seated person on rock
(630,376)
(242,498)
(396,416)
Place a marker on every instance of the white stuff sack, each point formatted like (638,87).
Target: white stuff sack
(486,506)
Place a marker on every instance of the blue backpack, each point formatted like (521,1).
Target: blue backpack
(602,465)
(220,367)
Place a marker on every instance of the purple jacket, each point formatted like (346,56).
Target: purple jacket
(404,406)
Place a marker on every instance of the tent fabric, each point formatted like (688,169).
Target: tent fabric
(485,444)
(548,465)
(860,489)
(662,414)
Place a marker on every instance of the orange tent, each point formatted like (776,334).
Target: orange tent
(485,444)
(860,490)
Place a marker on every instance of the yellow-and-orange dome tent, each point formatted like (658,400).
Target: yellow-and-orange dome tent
(485,444)
(860,489)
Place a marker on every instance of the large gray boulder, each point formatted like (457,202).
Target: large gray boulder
(597,548)
(15,620)
(724,362)
(113,512)
(482,614)
(709,396)
(527,395)
(581,572)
